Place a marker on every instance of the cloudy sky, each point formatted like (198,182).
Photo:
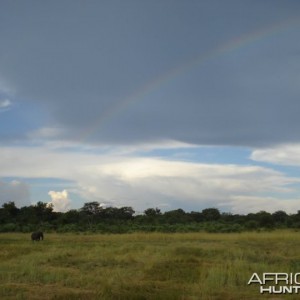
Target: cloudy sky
(169,104)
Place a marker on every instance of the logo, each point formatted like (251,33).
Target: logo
(277,283)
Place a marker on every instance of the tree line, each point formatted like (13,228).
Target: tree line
(95,218)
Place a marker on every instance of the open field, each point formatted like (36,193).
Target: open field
(144,266)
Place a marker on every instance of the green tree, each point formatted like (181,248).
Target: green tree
(9,212)
(151,216)
(70,217)
(176,216)
(125,213)
(280,217)
(91,208)
(43,211)
(197,216)
(265,219)
(28,215)
(211,214)
(91,213)
(152,212)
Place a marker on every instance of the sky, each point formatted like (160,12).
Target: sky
(169,104)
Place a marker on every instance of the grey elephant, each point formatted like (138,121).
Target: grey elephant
(37,236)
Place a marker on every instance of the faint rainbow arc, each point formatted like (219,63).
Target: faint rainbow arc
(227,47)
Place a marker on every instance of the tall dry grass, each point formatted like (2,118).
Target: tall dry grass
(144,266)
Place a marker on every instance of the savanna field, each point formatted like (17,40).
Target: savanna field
(204,266)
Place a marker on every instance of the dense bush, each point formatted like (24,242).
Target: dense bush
(94,218)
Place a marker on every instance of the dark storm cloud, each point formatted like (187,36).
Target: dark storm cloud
(109,71)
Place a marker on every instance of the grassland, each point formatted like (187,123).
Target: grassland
(144,266)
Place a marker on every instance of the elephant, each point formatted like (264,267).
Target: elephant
(37,236)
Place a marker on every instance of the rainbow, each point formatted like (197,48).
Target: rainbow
(223,49)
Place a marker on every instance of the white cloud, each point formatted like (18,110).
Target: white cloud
(288,154)
(147,182)
(247,204)
(60,200)
(6,87)
(45,133)
(5,104)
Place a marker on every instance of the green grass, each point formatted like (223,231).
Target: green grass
(144,266)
